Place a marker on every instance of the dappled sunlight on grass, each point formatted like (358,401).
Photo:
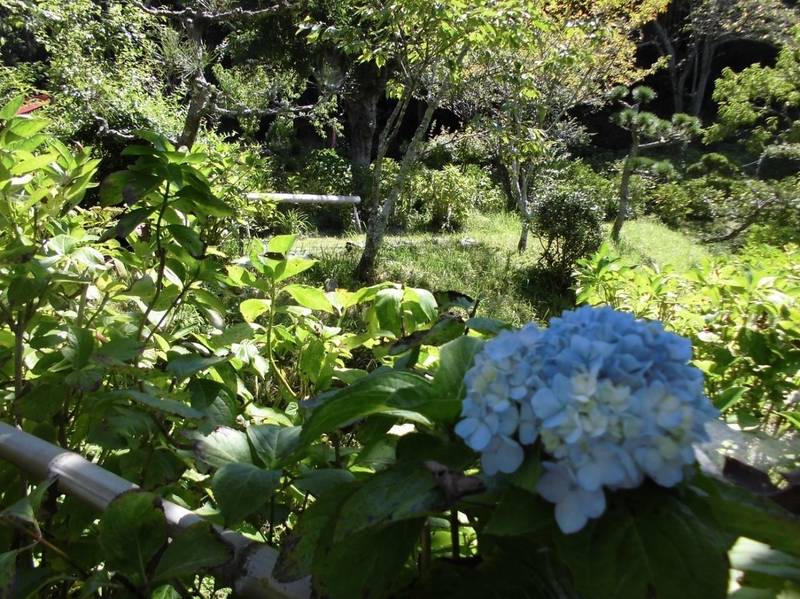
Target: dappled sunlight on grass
(658,244)
(482,262)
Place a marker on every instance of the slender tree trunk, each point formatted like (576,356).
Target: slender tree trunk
(198,105)
(702,77)
(519,191)
(677,79)
(624,187)
(379,218)
(199,95)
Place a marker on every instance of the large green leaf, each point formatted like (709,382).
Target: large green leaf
(387,310)
(455,359)
(380,393)
(242,489)
(297,552)
(193,551)
(222,446)
(368,564)
(252,308)
(748,515)
(648,544)
(291,267)
(131,532)
(184,366)
(319,482)
(519,513)
(400,493)
(309,297)
(281,244)
(273,443)
(188,239)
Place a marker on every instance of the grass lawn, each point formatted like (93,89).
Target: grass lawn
(482,261)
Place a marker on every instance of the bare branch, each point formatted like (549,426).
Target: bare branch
(235,14)
(104,129)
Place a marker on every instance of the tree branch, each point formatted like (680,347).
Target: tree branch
(235,14)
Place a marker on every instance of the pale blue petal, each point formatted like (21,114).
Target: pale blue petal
(570,515)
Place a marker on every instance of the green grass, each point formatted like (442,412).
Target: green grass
(482,262)
(657,244)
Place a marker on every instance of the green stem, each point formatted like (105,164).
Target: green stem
(162,263)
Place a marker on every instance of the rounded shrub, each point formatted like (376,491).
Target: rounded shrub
(568,226)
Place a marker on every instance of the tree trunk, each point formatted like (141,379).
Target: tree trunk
(362,109)
(677,80)
(199,94)
(379,218)
(198,105)
(702,77)
(519,191)
(624,187)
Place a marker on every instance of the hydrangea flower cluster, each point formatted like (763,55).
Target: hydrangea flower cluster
(612,400)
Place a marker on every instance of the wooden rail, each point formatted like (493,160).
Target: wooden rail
(250,571)
(310,198)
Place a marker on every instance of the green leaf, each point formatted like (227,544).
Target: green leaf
(8,565)
(376,394)
(291,267)
(252,308)
(204,392)
(744,514)
(185,366)
(519,513)
(119,350)
(22,290)
(297,552)
(281,244)
(273,443)
(242,489)
(79,347)
(650,543)
(10,108)
(223,446)
(751,556)
(387,310)
(367,564)
(193,551)
(455,358)
(400,493)
(111,190)
(162,404)
(423,300)
(188,239)
(487,326)
(319,482)
(132,530)
(309,297)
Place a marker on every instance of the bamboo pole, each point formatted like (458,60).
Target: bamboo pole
(250,571)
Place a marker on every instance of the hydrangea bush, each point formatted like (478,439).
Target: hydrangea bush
(611,399)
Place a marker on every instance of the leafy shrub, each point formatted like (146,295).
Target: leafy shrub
(679,203)
(577,175)
(713,163)
(567,224)
(441,200)
(290,221)
(741,312)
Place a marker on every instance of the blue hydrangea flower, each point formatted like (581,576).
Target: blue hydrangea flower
(611,399)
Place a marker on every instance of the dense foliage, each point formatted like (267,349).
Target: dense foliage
(163,317)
